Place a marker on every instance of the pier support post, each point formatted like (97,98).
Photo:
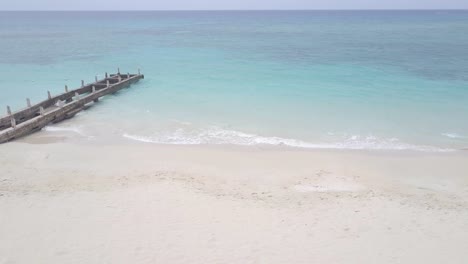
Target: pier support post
(139,71)
(82,83)
(28,102)
(107,83)
(8,110)
(41,110)
(118,71)
(49,95)
(95,78)
(107,76)
(69,99)
(13,122)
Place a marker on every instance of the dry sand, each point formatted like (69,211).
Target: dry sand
(142,203)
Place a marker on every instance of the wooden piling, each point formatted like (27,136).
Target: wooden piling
(28,102)
(66,88)
(8,110)
(49,95)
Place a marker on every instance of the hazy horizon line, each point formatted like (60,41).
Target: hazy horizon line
(214,10)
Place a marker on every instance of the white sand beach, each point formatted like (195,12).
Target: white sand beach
(64,202)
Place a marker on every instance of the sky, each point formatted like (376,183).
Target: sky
(227,4)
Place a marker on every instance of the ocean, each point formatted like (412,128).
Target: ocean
(378,80)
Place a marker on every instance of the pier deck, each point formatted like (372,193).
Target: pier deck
(60,107)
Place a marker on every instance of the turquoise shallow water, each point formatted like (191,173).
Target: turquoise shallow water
(315,79)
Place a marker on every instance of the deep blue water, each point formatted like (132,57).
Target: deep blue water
(319,79)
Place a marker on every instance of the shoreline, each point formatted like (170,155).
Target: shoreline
(407,172)
(73,135)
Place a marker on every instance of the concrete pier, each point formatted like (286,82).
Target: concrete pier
(57,108)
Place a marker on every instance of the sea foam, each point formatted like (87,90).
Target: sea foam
(64,129)
(453,135)
(219,136)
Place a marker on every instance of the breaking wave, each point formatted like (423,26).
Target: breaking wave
(215,135)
